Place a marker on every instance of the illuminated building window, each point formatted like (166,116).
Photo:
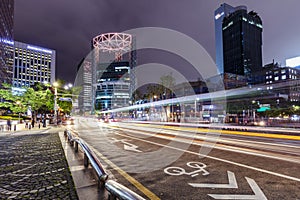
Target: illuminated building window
(283,77)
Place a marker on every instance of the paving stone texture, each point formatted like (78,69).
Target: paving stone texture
(34,167)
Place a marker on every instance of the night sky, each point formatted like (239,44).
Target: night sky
(69,25)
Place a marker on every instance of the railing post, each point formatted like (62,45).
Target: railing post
(101,184)
(65,133)
(76,146)
(85,160)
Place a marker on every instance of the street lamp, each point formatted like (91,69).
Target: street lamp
(55,84)
(196,100)
(68,86)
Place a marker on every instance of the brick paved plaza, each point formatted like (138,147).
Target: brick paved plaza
(33,166)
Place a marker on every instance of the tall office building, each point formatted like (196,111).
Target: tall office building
(33,64)
(84,80)
(113,65)
(223,11)
(6,40)
(113,85)
(242,43)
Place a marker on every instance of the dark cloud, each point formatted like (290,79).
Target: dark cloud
(69,25)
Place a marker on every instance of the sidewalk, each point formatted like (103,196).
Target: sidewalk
(34,166)
(85,180)
(20,127)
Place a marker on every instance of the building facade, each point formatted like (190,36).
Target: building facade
(33,64)
(6,40)
(242,43)
(113,70)
(223,11)
(84,80)
(113,85)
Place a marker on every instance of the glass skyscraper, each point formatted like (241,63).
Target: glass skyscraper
(223,11)
(242,43)
(6,40)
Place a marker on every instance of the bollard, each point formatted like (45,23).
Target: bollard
(85,160)
(76,147)
(15,127)
(65,133)
(29,126)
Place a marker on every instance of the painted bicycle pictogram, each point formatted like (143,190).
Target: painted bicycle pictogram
(178,171)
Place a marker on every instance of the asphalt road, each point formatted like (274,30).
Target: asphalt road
(163,162)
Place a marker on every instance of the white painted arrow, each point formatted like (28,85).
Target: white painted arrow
(231,183)
(131,147)
(258,194)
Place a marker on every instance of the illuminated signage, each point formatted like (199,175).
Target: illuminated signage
(263,109)
(219,15)
(293,62)
(39,49)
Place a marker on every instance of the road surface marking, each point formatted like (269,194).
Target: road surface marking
(177,171)
(224,142)
(218,159)
(129,178)
(196,141)
(258,194)
(231,183)
(127,146)
(131,147)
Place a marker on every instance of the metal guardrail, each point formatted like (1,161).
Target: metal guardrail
(120,191)
(116,190)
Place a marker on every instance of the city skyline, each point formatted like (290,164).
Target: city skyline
(69,28)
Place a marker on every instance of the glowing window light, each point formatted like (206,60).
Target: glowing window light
(219,15)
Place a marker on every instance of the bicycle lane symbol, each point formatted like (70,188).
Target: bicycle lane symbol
(178,171)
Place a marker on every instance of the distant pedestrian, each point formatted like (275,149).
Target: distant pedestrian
(32,123)
(9,125)
(44,122)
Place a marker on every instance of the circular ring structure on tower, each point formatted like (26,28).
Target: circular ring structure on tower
(113,42)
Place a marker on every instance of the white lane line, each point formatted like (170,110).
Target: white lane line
(228,140)
(218,146)
(217,159)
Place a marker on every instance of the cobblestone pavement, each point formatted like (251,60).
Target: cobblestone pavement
(34,167)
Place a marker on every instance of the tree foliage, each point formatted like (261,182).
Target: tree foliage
(162,90)
(38,98)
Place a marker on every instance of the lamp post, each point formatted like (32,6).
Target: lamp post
(196,100)
(69,87)
(55,84)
